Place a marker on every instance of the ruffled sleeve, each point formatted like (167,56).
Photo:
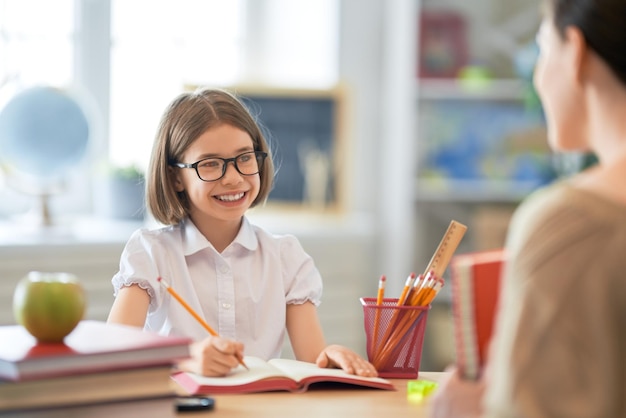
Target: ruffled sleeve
(137,266)
(301,278)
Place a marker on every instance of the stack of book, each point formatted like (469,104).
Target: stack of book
(96,363)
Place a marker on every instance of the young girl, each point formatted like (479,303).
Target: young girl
(209,164)
(559,349)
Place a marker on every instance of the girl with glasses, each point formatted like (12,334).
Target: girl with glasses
(210,163)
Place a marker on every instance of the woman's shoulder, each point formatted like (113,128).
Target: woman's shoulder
(566,199)
(563,213)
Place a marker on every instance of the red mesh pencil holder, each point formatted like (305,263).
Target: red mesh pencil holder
(394,336)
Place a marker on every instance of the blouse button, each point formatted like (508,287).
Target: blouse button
(226,305)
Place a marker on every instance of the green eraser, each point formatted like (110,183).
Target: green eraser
(417,390)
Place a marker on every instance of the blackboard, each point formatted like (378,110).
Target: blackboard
(302,128)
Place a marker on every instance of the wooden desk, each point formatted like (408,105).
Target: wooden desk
(316,403)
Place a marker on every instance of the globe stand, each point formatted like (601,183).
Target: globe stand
(42,211)
(39,217)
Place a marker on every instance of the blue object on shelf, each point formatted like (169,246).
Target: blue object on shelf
(466,140)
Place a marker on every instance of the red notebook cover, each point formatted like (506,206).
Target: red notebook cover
(475,292)
(92,346)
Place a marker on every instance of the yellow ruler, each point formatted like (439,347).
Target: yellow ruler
(450,241)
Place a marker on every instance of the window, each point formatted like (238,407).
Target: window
(209,42)
(35,48)
(157,48)
(180,42)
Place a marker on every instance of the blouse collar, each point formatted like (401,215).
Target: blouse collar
(194,241)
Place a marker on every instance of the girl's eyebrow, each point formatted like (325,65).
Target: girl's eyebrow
(237,152)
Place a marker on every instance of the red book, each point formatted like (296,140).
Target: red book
(86,389)
(93,346)
(475,291)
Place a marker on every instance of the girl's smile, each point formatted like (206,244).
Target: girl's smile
(230,197)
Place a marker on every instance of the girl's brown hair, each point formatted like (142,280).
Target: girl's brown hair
(186,118)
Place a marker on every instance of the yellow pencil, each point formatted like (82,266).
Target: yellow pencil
(379,302)
(434,291)
(426,288)
(407,287)
(193,313)
(413,293)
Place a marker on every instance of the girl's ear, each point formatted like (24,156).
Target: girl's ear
(175,178)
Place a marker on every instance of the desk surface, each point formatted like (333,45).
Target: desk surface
(316,403)
(361,403)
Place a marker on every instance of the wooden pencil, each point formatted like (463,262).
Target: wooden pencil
(379,301)
(193,313)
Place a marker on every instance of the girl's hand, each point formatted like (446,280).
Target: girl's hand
(346,359)
(213,356)
(456,397)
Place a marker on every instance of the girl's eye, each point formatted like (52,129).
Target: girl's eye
(210,164)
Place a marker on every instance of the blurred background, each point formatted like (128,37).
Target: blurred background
(388,118)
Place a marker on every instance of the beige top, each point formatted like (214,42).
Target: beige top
(560,349)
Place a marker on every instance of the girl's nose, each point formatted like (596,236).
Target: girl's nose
(231,175)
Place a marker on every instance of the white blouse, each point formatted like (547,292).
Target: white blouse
(242,292)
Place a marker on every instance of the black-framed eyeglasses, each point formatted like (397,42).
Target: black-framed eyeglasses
(214,168)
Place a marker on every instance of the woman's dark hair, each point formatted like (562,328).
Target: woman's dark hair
(602,23)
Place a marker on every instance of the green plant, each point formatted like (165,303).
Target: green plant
(130,172)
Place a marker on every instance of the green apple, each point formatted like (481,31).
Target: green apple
(49,305)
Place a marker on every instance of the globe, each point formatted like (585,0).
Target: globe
(44,132)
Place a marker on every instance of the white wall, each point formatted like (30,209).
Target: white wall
(378,50)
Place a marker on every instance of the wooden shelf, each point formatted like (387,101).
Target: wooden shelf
(472,191)
(453,89)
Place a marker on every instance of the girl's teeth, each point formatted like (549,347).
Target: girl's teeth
(230,197)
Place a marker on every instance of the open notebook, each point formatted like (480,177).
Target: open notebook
(274,375)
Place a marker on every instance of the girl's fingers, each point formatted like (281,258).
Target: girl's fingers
(214,356)
(347,360)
